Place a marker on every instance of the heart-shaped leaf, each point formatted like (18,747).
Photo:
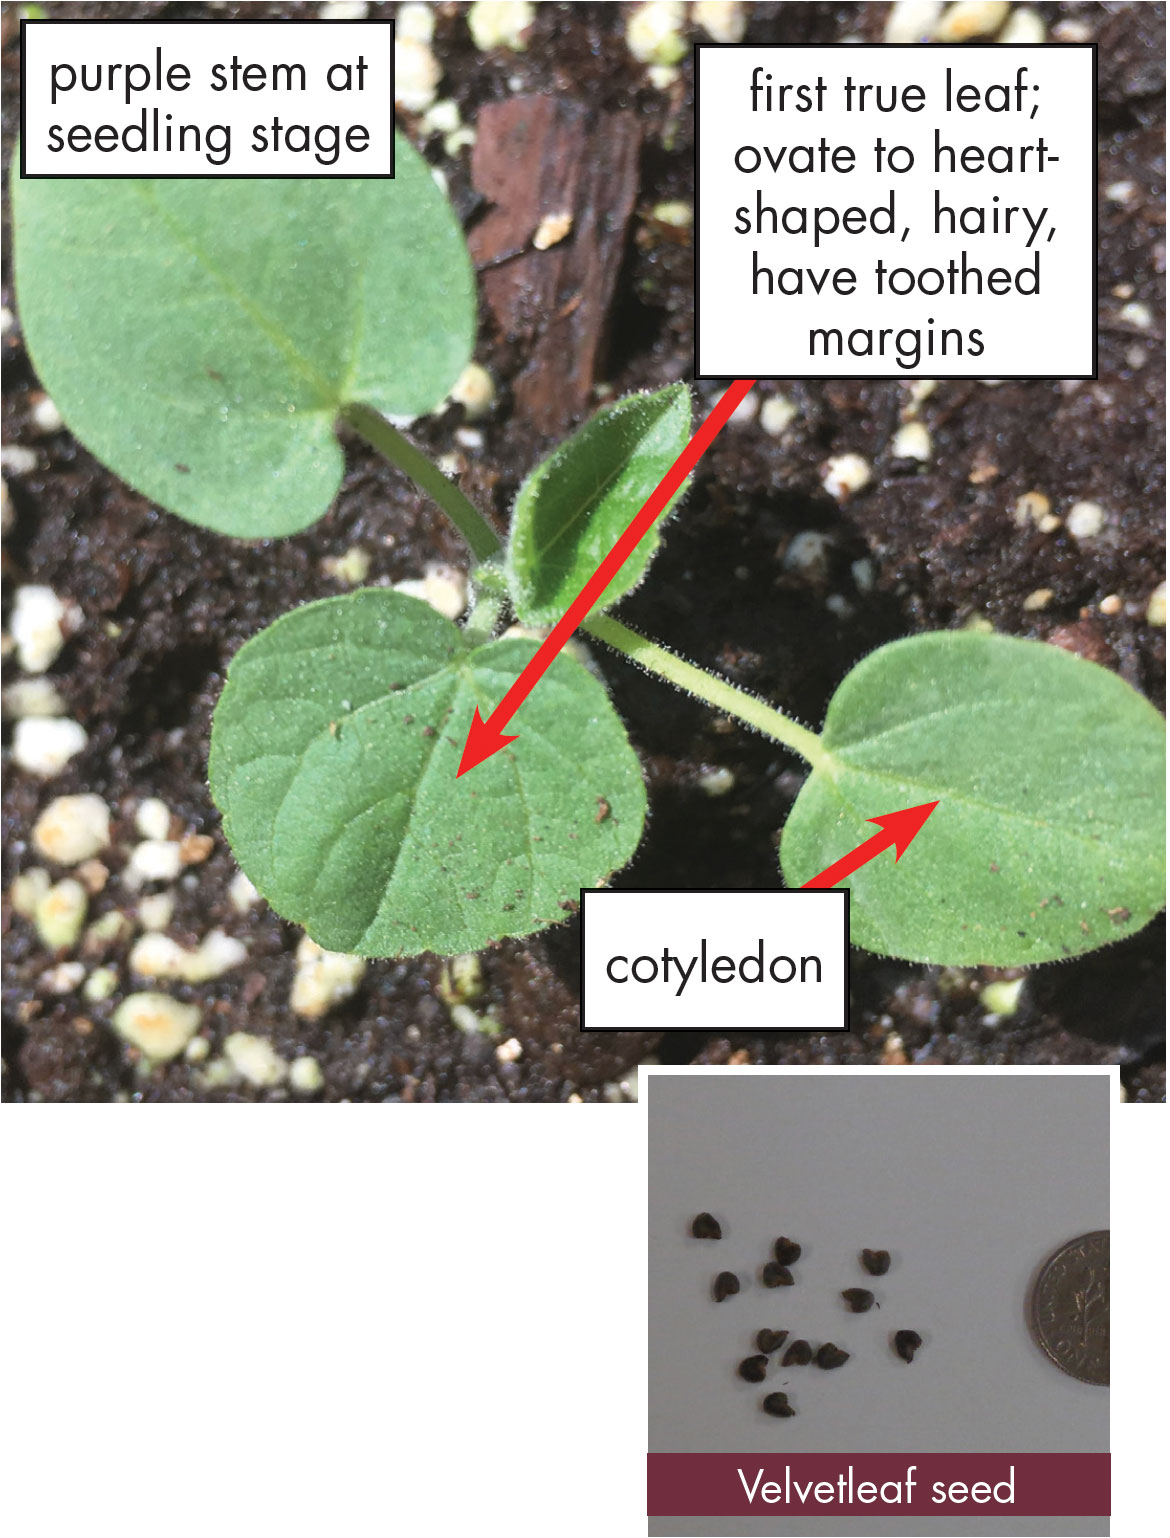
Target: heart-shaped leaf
(1049,771)
(574,506)
(200,337)
(333,756)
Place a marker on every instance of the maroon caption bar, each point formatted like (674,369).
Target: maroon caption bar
(827,1484)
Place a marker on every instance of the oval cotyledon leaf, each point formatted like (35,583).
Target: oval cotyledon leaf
(1049,836)
(334,752)
(201,336)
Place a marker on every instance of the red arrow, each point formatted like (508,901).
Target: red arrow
(898,828)
(487,737)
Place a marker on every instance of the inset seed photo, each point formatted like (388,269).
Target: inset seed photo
(878,1301)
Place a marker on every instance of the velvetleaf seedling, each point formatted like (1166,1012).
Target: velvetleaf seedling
(204,338)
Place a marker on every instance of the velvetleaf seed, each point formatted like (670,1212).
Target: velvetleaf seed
(858,1300)
(726,1283)
(876,1262)
(777,1404)
(770,1340)
(906,1343)
(830,1356)
(787,1251)
(705,1227)
(799,1354)
(776,1275)
(753,1369)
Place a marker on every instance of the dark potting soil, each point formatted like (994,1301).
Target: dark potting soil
(166,605)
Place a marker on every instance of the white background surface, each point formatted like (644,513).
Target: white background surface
(969,1183)
(199,45)
(741,335)
(383,1319)
(638,924)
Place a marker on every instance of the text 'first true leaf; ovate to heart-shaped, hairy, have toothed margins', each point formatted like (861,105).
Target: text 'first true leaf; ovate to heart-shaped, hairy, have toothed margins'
(334,752)
(202,336)
(1050,775)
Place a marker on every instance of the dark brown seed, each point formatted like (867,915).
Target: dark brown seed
(753,1369)
(776,1275)
(705,1227)
(831,1356)
(858,1300)
(787,1251)
(725,1284)
(771,1340)
(799,1354)
(876,1262)
(906,1343)
(777,1404)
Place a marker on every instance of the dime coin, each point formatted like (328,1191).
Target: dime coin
(1070,1307)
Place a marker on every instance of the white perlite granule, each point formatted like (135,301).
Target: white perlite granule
(845,475)
(255,1059)
(776,414)
(443,587)
(654,32)
(416,74)
(72,829)
(971,18)
(36,696)
(1085,520)
(474,391)
(153,818)
(323,978)
(43,745)
(913,441)
(305,1076)
(500,24)
(60,914)
(156,1024)
(724,21)
(37,626)
(911,21)
(155,859)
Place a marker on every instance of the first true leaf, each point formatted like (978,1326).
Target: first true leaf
(574,507)
(201,336)
(333,758)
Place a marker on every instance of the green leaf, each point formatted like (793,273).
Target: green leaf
(200,337)
(1049,836)
(574,506)
(333,756)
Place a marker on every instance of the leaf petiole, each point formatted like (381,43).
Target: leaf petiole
(481,538)
(705,686)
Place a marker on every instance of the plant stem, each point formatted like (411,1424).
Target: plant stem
(484,616)
(378,432)
(705,686)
